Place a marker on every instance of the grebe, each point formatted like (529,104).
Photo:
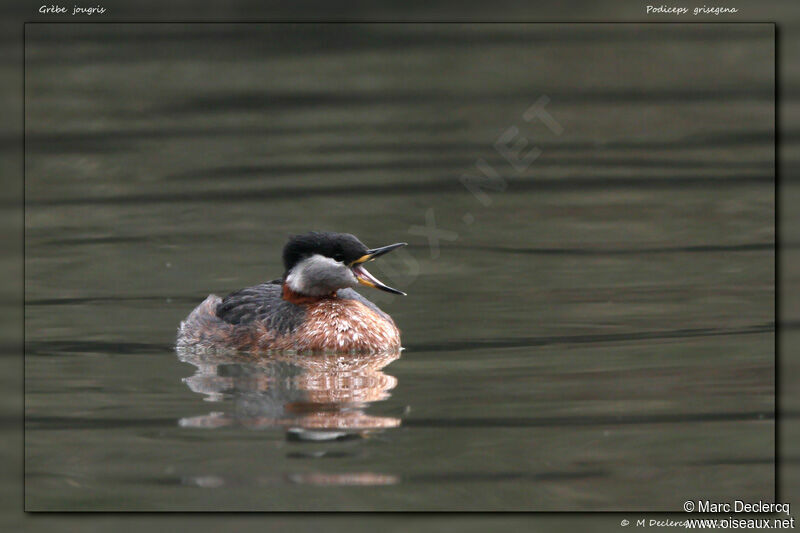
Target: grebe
(313,307)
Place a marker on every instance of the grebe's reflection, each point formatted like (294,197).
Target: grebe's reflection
(315,397)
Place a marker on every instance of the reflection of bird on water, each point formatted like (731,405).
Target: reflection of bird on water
(316,397)
(313,307)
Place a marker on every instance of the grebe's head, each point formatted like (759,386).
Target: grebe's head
(320,263)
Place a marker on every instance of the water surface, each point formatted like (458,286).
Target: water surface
(595,334)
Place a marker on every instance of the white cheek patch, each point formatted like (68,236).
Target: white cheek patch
(319,275)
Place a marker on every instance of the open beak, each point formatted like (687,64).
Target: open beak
(364,277)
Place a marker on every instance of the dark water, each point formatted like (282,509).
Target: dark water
(594,330)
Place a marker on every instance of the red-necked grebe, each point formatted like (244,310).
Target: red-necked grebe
(313,307)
